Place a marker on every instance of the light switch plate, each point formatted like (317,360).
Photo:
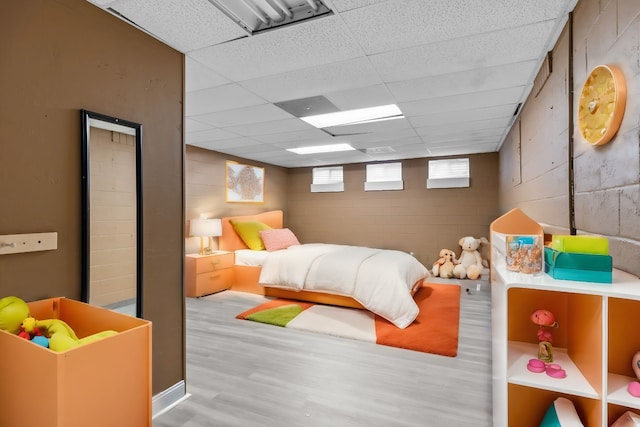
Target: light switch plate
(32,242)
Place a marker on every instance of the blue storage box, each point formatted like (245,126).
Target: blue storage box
(580,267)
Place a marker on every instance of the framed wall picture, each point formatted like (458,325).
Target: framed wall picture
(245,183)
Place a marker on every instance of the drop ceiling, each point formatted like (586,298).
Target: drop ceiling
(458,70)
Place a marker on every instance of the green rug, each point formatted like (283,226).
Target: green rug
(278,316)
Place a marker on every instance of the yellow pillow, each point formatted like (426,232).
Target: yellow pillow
(249,232)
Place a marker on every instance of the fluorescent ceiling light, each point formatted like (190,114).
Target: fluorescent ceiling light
(331,148)
(260,15)
(352,117)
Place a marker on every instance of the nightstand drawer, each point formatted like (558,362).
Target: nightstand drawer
(214,281)
(213,262)
(206,274)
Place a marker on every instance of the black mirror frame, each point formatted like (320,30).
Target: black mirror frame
(86,117)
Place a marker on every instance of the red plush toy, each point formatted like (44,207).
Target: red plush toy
(29,336)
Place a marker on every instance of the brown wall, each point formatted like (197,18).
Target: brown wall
(205,190)
(414,220)
(57,58)
(607,178)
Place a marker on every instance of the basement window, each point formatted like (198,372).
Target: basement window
(384,176)
(449,173)
(328,180)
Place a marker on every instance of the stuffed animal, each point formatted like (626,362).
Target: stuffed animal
(48,327)
(61,335)
(13,311)
(444,266)
(470,261)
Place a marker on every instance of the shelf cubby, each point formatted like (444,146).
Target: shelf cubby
(594,341)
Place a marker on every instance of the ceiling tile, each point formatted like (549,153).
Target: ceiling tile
(241,116)
(208,135)
(219,98)
(463,150)
(317,42)
(382,138)
(312,134)
(169,20)
(463,101)
(343,5)
(405,23)
(191,125)
(465,53)
(395,144)
(361,97)
(467,132)
(319,80)
(465,82)
(198,76)
(462,116)
(237,143)
(270,127)
(343,157)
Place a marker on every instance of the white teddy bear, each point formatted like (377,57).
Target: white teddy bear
(470,261)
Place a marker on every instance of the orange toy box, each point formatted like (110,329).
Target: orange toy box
(101,383)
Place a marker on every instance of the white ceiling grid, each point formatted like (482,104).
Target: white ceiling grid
(458,69)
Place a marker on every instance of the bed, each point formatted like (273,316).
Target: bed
(263,272)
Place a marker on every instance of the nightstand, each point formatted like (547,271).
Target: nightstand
(206,274)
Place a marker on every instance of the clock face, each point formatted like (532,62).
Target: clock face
(602,104)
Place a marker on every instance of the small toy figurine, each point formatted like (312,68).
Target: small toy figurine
(544,319)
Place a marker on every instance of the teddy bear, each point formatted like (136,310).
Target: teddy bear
(444,266)
(470,263)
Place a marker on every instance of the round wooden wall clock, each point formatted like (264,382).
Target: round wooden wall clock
(602,104)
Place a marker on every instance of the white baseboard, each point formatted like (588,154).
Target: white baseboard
(167,399)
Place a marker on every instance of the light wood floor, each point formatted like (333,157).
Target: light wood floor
(242,373)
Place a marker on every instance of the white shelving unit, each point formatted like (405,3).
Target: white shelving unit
(594,343)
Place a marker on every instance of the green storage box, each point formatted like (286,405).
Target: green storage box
(580,267)
(580,244)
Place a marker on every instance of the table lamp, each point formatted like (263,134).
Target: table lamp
(203,227)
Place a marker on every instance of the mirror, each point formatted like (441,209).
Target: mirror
(111,213)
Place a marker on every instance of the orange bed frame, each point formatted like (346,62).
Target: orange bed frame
(245,278)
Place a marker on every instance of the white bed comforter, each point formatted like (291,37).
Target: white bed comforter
(379,279)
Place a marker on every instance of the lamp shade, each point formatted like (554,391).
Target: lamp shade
(205,227)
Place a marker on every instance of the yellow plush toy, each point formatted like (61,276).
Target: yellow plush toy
(13,311)
(61,336)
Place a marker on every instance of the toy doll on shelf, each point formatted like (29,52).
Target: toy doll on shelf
(544,319)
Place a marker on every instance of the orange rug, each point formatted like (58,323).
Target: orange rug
(435,330)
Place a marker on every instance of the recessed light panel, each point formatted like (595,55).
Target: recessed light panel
(330,148)
(351,117)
